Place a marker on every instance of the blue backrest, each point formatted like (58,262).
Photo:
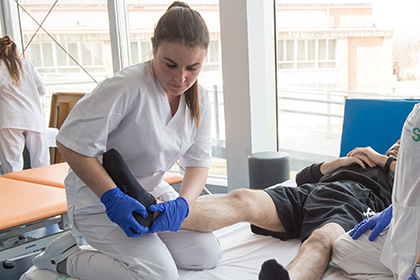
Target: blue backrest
(373,122)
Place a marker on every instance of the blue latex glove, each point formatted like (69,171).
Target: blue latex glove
(120,208)
(377,222)
(172,214)
(412,277)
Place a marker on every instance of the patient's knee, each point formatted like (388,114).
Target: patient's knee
(321,239)
(242,197)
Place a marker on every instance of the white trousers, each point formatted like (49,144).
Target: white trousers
(359,259)
(151,256)
(12,144)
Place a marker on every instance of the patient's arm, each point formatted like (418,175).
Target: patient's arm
(372,155)
(331,166)
(314,172)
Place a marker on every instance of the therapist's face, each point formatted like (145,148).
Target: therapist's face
(177,66)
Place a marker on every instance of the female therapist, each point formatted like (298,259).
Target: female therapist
(153,114)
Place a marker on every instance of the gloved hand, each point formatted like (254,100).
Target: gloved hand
(377,222)
(120,208)
(172,214)
(412,277)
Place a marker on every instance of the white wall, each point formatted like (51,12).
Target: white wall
(247,36)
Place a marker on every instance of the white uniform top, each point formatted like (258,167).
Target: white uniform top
(130,112)
(20,106)
(402,243)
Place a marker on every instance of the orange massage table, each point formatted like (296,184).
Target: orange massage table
(33,199)
(25,207)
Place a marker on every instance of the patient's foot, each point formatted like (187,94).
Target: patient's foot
(56,253)
(272,270)
(118,170)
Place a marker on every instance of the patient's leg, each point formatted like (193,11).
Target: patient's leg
(315,253)
(272,270)
(240,205)
(118,170)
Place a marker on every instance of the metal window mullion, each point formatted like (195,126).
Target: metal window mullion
(119,34)
(54,57)
(295,51)
(10,21)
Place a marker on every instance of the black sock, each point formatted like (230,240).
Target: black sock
(118,170)
(272,270)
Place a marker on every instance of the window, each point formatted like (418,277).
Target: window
(330,51)
(50,58)
(306,53)
(72,49)
(141,51)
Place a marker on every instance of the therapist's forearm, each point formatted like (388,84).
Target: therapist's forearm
(88,169)
(193,183)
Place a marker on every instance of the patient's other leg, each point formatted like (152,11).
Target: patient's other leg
(240,205)
(315,253)
(272,270)
(312,259)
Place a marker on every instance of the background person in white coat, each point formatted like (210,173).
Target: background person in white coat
(21,119)
(389,252)
(153,114)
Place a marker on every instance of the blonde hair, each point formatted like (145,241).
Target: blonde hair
(183,25)
(9,55)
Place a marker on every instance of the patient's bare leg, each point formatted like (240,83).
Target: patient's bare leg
(240,205)
(315,253)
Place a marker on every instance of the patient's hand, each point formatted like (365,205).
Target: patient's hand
(368,156)
(360,159)
(394,149)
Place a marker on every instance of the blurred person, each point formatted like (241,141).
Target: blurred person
(21,119)
(387,245)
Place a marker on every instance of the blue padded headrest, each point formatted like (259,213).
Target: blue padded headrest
(374,122)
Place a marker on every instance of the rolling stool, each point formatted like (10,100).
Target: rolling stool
(268,168)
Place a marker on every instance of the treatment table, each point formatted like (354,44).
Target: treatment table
(366,121)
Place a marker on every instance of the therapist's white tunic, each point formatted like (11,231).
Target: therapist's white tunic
(393,254)
(130,112)
(21,118)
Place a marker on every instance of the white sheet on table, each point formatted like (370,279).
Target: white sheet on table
(243,254)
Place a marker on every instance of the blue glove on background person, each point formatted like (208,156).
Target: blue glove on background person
(377,222)
(172,214)
(120,208)
(412,277)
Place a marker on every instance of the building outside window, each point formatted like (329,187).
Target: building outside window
(328,51)
(306,53)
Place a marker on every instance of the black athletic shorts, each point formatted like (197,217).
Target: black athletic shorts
(303,209)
